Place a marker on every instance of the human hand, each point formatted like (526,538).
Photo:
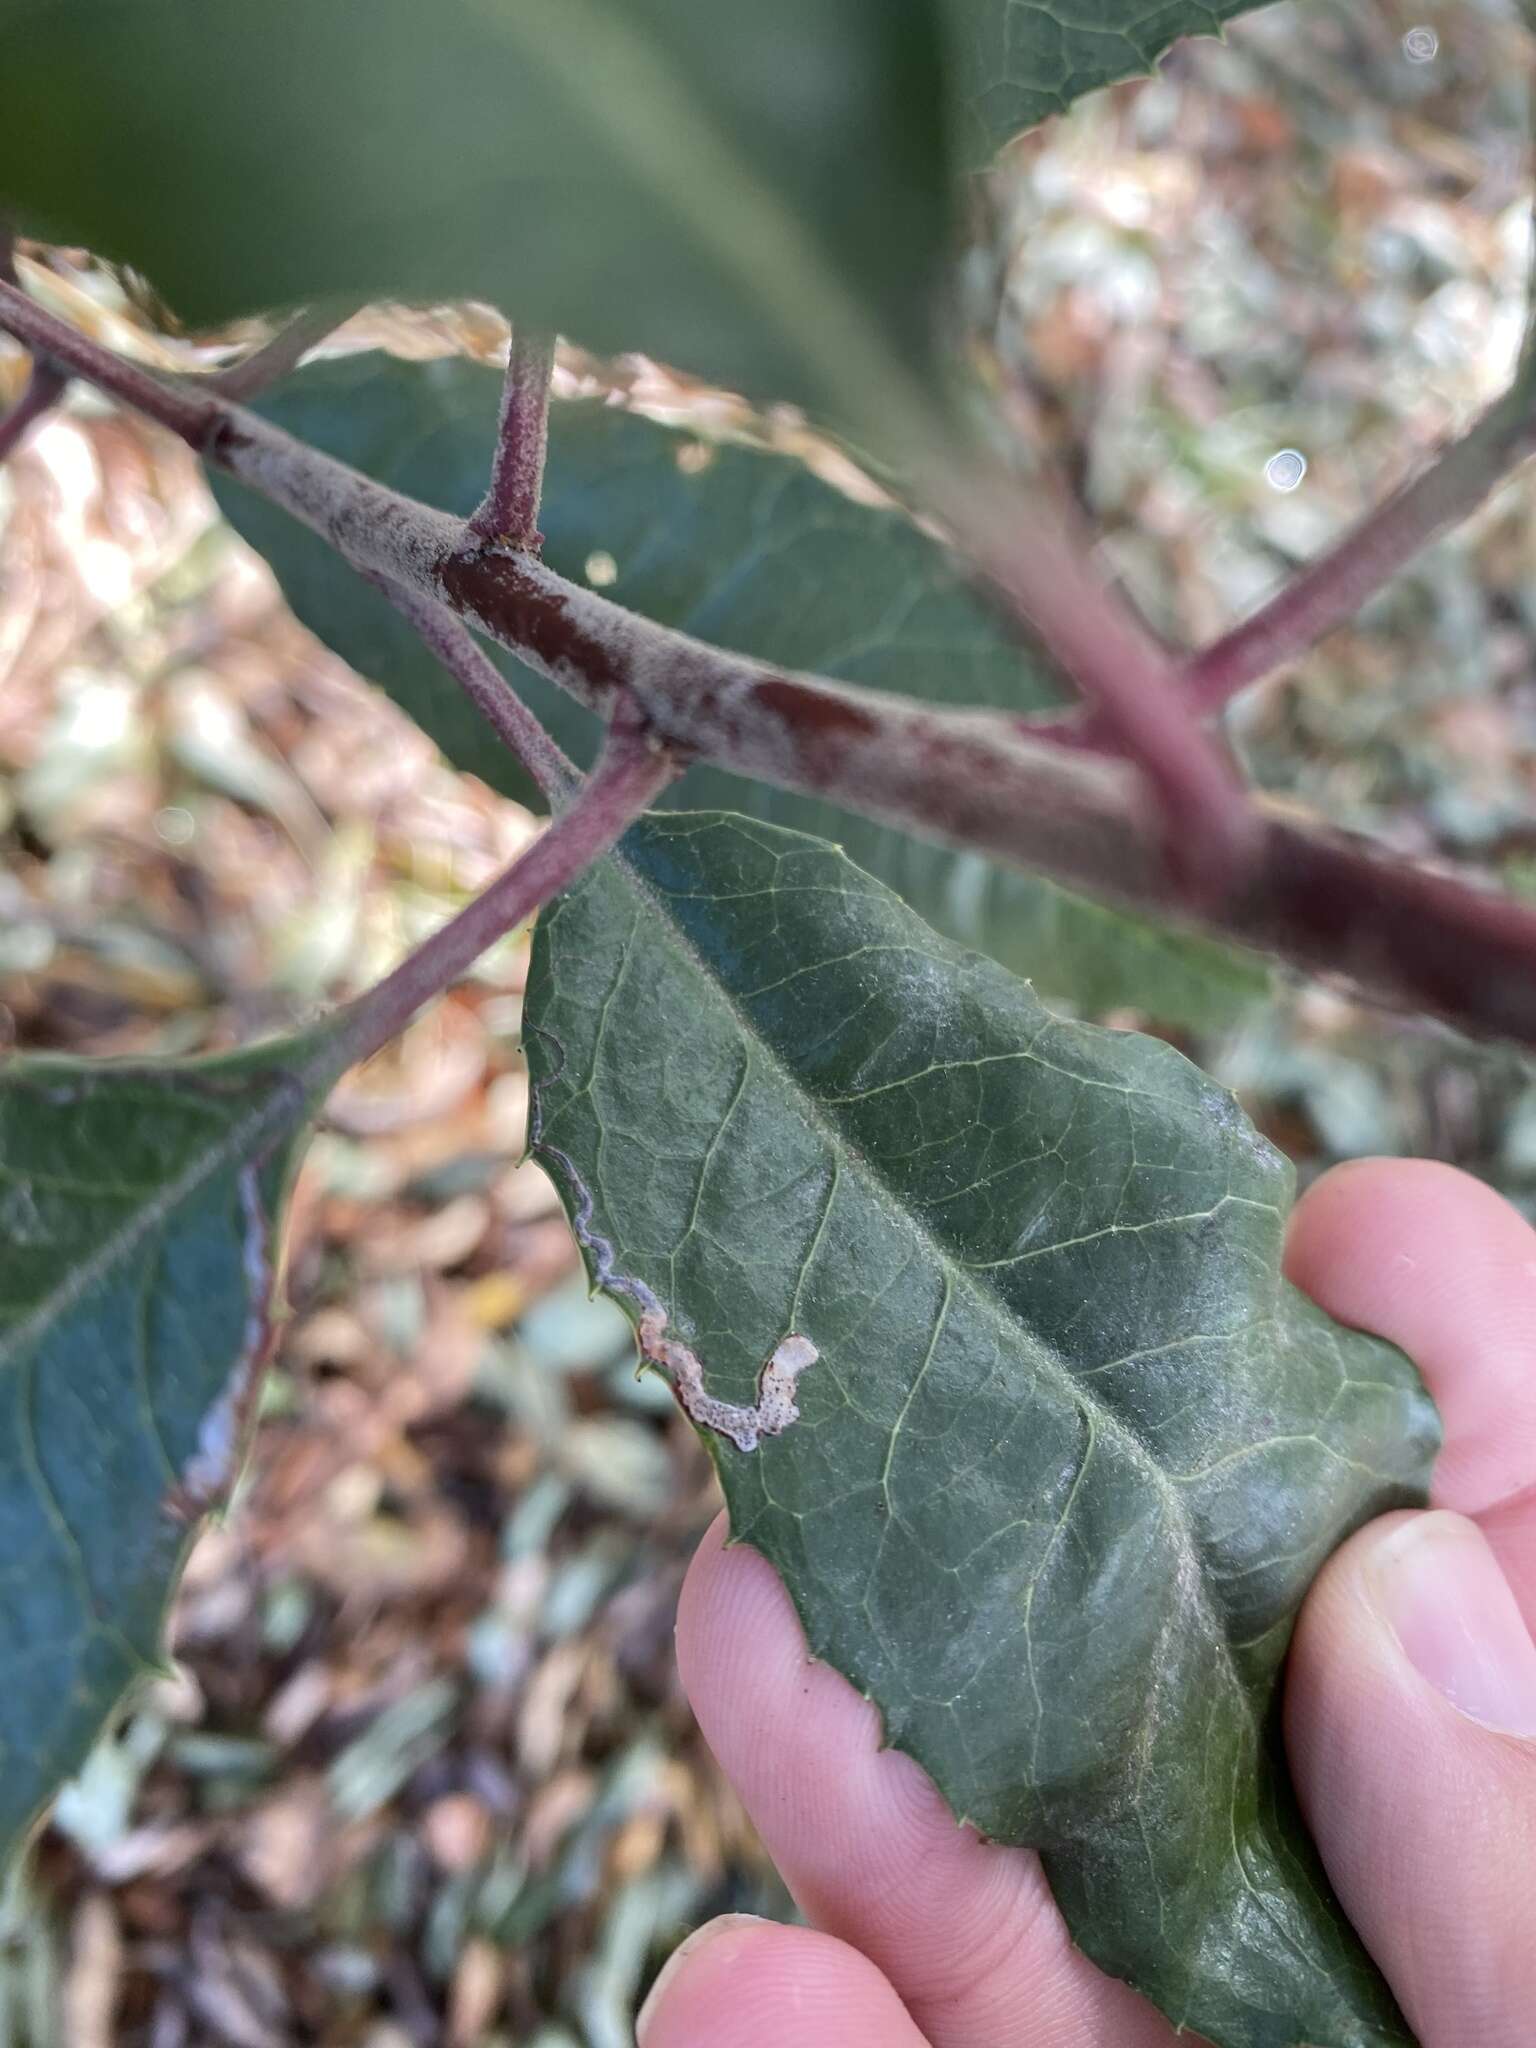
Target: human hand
(1410,1721)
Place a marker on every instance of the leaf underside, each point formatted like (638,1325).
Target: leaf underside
(1071,1450)
(747,549)
(138,1210)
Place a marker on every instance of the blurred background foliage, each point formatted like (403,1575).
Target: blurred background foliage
(424,1773)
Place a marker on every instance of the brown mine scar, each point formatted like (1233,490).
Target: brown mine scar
(774,1409)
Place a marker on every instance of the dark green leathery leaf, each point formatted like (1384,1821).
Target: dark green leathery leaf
(139,1209)
(1070,1449)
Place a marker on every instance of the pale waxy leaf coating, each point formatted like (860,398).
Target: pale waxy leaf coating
(1070,1450)
(138,1217)
(750,550)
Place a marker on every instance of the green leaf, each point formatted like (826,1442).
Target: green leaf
(753,192)
(1070,1450)
(1017,61)
(139,1209)
(744,548)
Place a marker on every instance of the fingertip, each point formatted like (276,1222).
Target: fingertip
(1365,1210)
(1431,1588)
(722,1575)
(757,1691)
(966,1932)
(721,1579)
(1426,1256)
(1368,1229)
(741,1982)
(683,1959)
(1411,1682)
(1393,1193)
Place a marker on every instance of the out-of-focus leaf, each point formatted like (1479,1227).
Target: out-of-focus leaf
(371,1769)
(751,550)
(139,1209)
(1017,61)
(1068,1450)
(753,192)
(619,1463)
(573,1330)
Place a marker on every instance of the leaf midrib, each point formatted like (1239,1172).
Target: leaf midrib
(1094,1413)
(121,1244)
(1174,1501)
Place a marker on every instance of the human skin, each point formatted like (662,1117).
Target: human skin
(1410,1715)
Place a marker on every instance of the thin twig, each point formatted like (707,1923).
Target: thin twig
(190,413)
(1401,932)
(282,352)
(1132,687)
(509,511)
(487,689)
(44,388)
(632,771)
(45,385)
(1329,592)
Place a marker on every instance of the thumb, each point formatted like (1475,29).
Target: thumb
(1411,1723)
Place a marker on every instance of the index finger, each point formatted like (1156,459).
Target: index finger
(1434,1260)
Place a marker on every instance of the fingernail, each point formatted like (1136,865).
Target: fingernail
(1453,1612)
(700,1938)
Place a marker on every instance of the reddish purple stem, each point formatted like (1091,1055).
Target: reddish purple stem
(509,511)
(1133,689)
(1330,591)
(632,771)
(1403,932)
(487,689)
